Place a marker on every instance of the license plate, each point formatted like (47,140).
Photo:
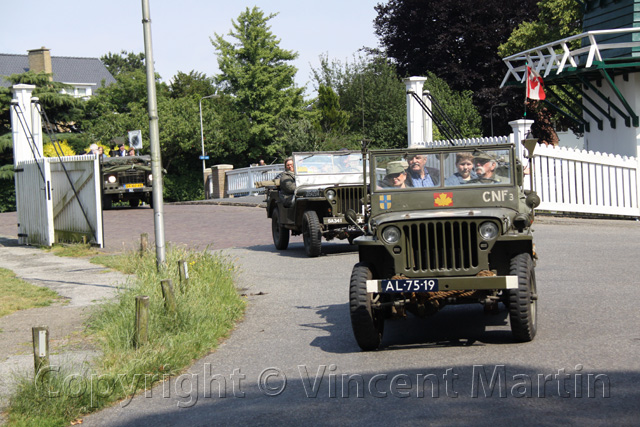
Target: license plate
(409,285)
(133,185)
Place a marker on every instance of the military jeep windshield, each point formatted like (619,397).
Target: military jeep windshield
(327,168)
(415,170)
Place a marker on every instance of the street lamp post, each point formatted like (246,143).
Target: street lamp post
(202,129)
(502,104)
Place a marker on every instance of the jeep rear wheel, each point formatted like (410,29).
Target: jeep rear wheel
(523,305)
(367,322)
(134,203)
(311,233)
(280,234)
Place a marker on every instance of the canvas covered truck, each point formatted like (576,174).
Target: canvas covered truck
(454,237)
(126,179)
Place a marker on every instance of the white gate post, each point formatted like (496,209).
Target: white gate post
(21,146)
(520,130)
(415,120)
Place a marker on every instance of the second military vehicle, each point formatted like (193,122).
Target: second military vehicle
(327,184)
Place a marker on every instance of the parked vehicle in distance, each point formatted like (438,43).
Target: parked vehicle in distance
(126,179)
(327,184)
(465,237)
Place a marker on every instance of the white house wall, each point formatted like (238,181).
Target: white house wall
(622,140)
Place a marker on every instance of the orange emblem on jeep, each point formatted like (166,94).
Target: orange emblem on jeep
(442,199)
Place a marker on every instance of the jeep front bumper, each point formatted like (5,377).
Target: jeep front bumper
(442,284)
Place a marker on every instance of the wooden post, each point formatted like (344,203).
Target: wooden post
(40,336)
(184,275)
(142,321)
(169,296)
(144,243)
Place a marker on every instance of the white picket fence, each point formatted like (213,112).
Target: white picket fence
(578,181)
(242,181)
(48,211)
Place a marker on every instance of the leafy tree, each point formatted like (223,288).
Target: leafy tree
(455,39)
(194,83)
(332,117)
(557,19)
(255,70)
(373,95)
(123,62)
(458,106)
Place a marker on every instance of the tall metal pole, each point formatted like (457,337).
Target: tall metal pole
(202,129)
(156,160)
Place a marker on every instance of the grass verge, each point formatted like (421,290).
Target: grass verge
(207,311)
(16,294)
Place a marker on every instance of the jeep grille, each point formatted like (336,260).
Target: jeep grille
(348,198)
(131,177)
(441,246)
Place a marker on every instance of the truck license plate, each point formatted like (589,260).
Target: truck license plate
(133,185)
(409,285)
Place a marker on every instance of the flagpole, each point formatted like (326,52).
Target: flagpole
(526,88)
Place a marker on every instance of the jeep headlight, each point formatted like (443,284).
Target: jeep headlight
(111,179)
(488,230)
(331,194)
(391,234)
(150,177)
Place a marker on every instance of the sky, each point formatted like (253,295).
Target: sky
(181,30)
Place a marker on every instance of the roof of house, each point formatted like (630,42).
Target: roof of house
(65,69)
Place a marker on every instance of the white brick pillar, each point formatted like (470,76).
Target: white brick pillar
(415,114)
(520,130)
(22,126)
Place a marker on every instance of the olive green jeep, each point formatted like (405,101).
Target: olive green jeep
(126,179)
(327,184)
(447,225)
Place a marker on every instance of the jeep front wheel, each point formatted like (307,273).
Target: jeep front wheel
(311,233)
(523,305)
(280,234)
(366,321)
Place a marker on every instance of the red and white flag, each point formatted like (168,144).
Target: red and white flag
(534,85)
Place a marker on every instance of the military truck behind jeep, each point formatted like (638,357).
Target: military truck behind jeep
(126,179)
(447,234)
(327,184)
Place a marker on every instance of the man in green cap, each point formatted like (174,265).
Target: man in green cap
(485,167)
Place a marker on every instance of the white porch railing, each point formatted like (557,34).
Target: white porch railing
(557,55)
(242,181)
(569,180)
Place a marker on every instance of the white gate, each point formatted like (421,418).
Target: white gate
(57,199)
(52,210)
(569,180)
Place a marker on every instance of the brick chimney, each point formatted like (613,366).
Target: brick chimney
(40,60)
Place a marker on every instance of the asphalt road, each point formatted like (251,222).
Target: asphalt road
(293,360)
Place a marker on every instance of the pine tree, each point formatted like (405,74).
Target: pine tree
(255,70)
